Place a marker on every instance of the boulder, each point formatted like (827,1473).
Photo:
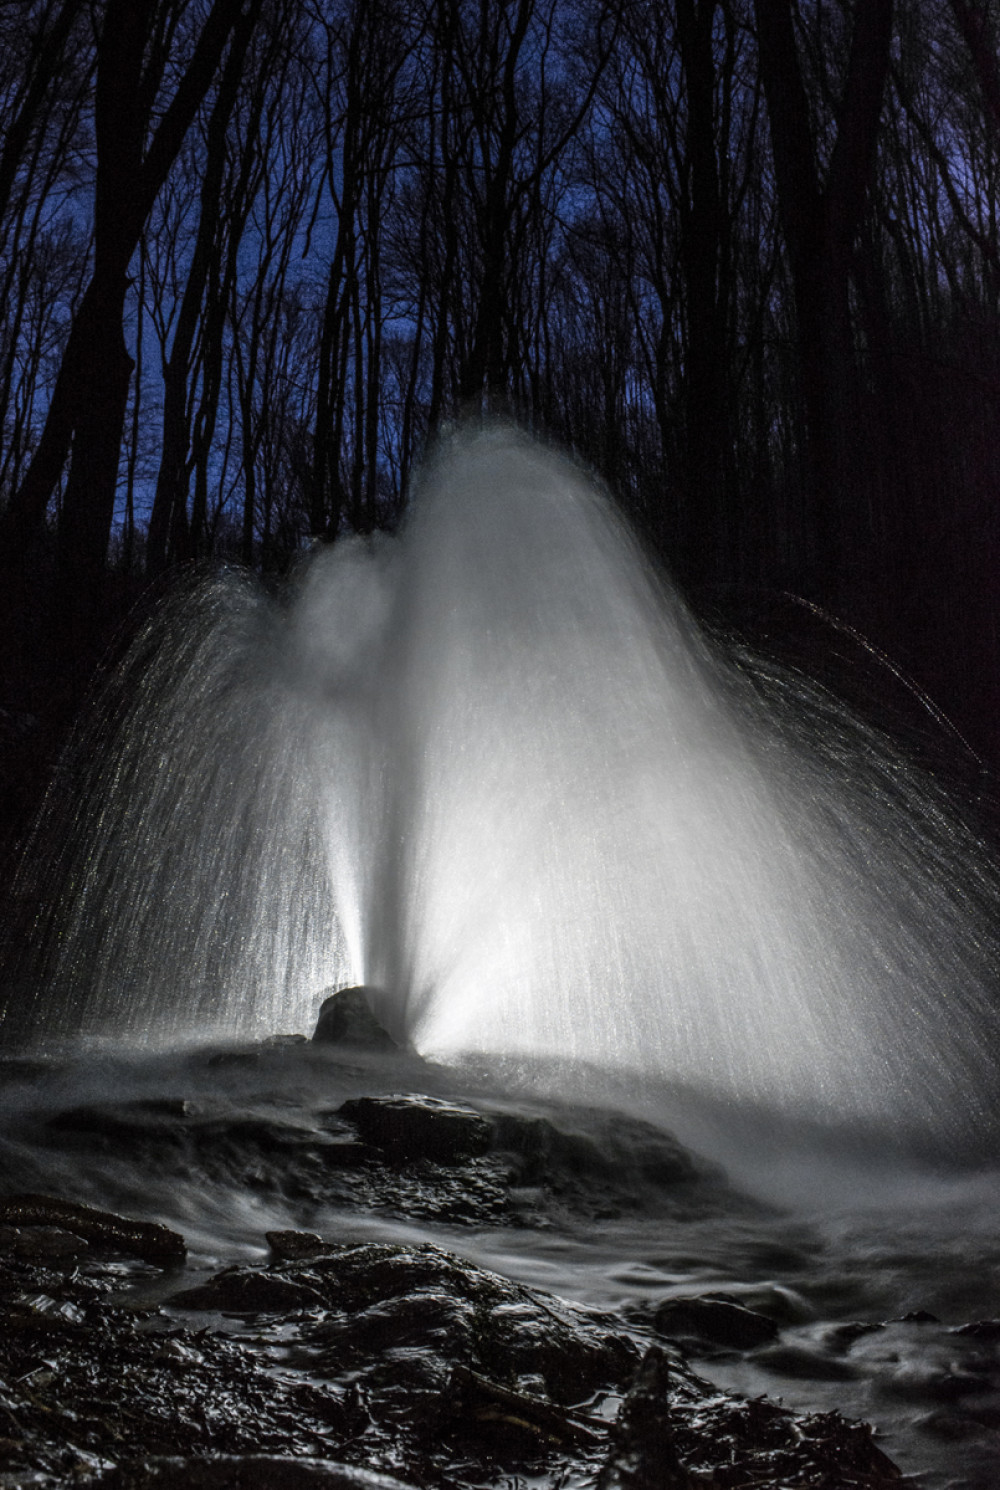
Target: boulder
(247,1290)
(346,1018)
(719,1321)
(292,1246)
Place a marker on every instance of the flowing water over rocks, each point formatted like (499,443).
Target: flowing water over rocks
(342,1265)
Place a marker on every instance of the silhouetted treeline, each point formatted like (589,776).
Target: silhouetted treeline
(740,254)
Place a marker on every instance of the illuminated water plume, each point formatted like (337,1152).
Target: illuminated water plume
(494,768)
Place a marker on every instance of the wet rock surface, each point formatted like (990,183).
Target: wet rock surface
(131,1357)
(38,1217)
(247,1472)
(346,1018)
(364,1367)
(407,1154)
(673,1435)
(404,1129)
(715,1320)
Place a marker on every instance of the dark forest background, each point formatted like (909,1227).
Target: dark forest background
(741,255)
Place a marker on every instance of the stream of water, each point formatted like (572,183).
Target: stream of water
(874,1269)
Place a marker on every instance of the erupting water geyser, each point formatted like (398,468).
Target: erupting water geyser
(492,767)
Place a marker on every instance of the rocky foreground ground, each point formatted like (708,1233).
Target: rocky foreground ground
(354,1366)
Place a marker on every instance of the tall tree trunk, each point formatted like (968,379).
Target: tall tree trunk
(89,498)
(326,495)
(974,23)
(820,222)
(485,370)
(702,228)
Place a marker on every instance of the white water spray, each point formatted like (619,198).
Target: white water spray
(493,768)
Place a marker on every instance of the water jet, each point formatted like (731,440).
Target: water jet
(494,767)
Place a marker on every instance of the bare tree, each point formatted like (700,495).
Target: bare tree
(168,519)
(973,21)
(44,84)
(261,309)
(36,40)
(821,214)
(134,156)
(365,102)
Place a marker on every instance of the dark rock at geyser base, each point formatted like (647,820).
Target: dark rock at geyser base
(346,1018)
(345,1021)
(368,1366)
